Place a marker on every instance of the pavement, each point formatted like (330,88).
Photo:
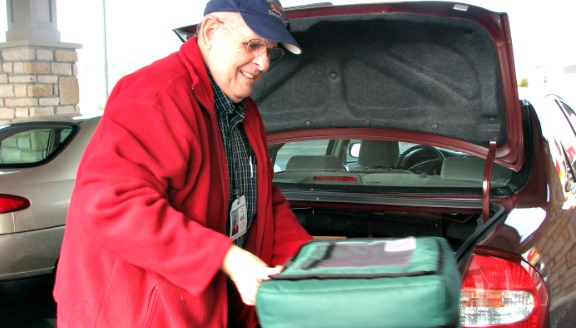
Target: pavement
(27,303)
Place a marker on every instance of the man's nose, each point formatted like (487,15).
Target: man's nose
(262,61)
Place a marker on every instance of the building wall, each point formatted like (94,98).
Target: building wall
(37,81)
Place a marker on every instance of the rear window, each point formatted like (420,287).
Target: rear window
(24,145)
(370,165)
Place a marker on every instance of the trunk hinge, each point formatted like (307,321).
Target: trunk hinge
(486,181)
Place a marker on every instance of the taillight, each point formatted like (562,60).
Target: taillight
(499,292)
(11,203)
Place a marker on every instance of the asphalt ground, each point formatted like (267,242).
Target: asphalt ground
(28,303)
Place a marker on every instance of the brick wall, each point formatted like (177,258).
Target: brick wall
(37,81)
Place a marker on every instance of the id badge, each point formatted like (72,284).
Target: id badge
(238,218)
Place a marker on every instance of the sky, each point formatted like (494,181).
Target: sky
(140,31)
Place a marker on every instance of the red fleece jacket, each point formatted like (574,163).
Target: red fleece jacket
(145,234)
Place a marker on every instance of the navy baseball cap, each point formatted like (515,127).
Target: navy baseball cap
(264,17)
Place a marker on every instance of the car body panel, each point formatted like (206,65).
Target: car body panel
(548,222)
(30,253)
(30,239)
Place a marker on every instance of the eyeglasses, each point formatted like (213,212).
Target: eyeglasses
(257,46)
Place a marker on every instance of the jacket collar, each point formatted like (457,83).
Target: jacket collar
(192,59)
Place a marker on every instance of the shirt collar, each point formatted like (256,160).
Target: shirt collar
(223,102)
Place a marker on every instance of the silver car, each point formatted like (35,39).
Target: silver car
(38,162)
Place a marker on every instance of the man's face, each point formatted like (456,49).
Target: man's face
(234,68)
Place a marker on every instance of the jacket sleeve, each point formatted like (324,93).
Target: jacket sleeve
(123,197)
(289,235)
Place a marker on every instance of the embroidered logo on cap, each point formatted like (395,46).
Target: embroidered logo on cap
(275,9)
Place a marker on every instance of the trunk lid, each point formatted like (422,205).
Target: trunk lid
(443,70)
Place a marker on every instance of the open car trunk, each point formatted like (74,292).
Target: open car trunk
(429,73)
(463,229)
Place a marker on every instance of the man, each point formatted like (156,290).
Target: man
(179,152)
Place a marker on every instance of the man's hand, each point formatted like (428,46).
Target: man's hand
(247,271)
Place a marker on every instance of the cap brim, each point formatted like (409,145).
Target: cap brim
(273,29)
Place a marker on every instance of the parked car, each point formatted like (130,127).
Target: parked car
(404,119)
(38,162)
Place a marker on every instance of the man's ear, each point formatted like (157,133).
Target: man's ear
(208,31)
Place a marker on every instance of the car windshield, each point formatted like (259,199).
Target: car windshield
(25,145)
(380,165)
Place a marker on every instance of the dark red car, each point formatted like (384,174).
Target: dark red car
(404,119)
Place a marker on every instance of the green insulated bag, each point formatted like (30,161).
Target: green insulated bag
(409,282)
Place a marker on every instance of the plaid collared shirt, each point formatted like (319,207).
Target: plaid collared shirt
(239,155)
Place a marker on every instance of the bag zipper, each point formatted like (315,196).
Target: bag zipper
(316,275)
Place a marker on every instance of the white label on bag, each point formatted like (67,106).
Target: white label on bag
(400,245)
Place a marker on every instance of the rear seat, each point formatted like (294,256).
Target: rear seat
(377,156)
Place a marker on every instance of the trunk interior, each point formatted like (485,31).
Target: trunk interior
(326,223)
(462,229)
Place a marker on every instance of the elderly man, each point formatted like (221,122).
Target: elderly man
(174,218)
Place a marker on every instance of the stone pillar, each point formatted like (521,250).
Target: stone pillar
(38,73)
(32,20)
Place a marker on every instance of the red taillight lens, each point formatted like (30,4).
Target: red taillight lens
(11,203)
(497,292)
